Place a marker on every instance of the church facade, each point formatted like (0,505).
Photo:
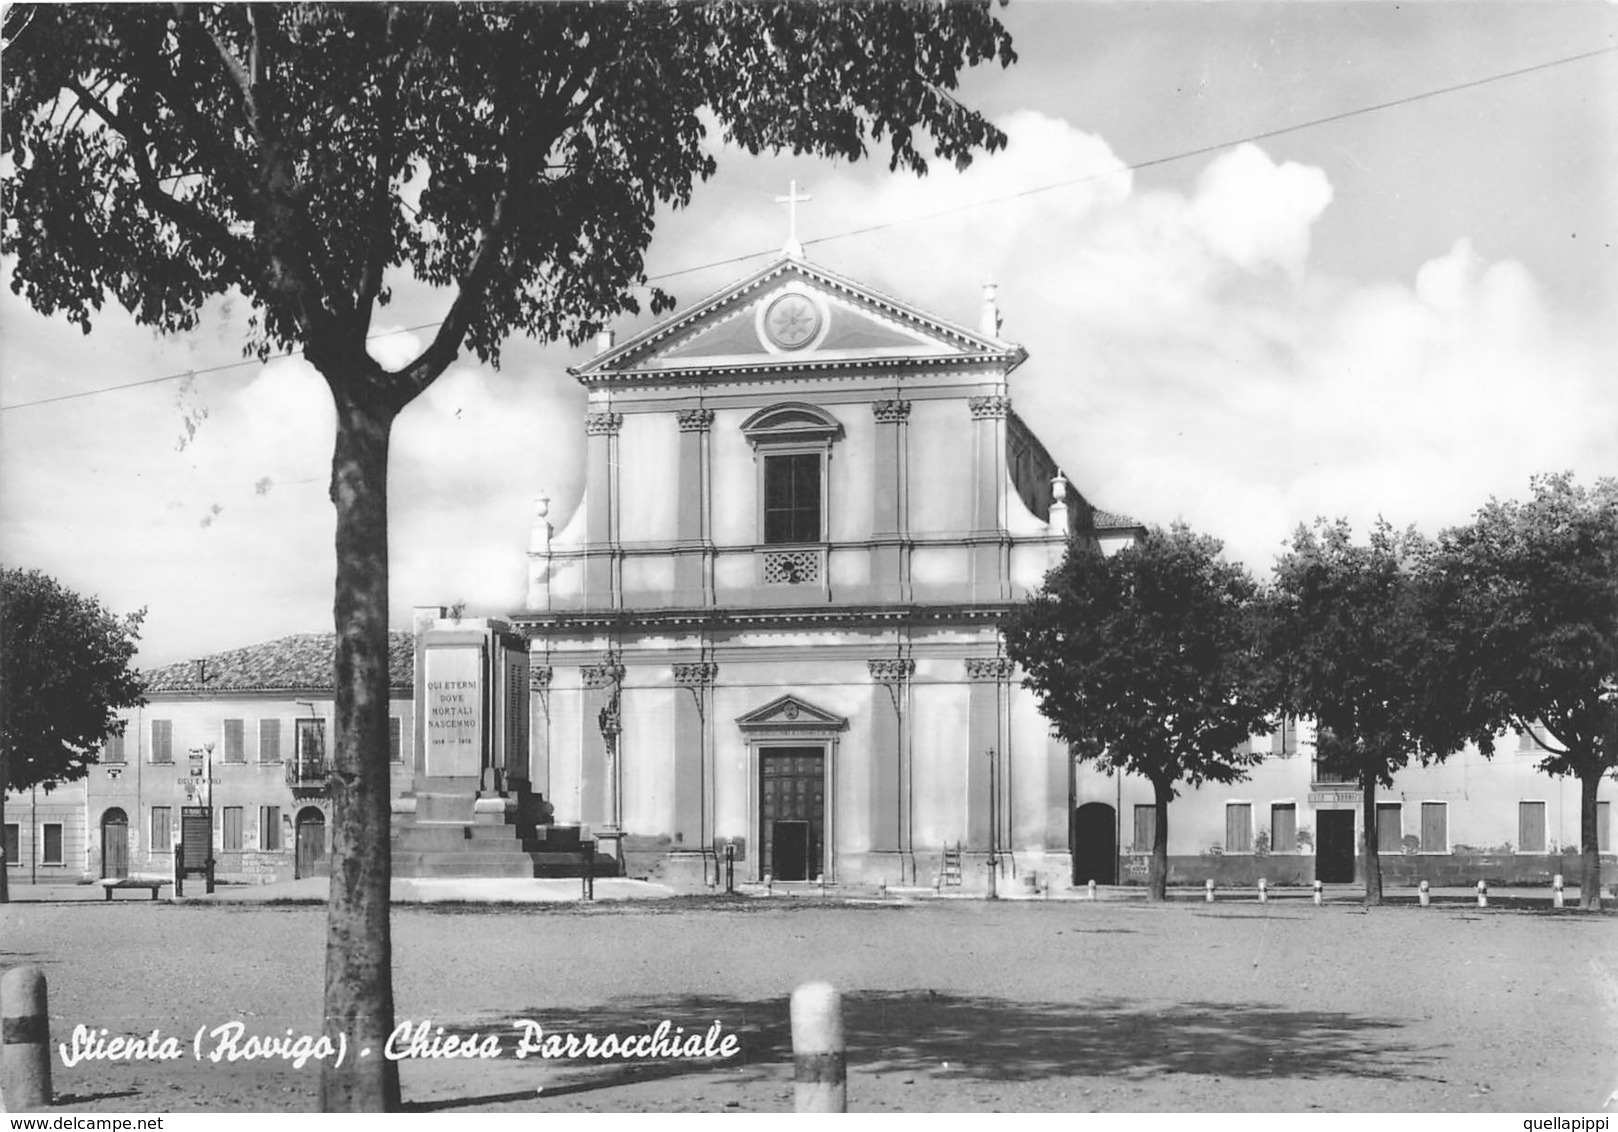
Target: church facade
(770,630)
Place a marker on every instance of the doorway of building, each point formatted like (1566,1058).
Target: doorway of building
(311,841)
(792,812)
(1334,847)
(115,843)
(1095,844)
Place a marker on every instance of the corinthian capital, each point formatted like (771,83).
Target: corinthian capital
(891,671)
(891,412)
(989,408)
(695,420)
(603,424)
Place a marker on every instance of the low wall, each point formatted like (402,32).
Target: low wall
(1441,870)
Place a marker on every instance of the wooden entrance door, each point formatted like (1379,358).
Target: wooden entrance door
(115,843)
(1334,850)
(311,839)
(792,812)
(1095,844)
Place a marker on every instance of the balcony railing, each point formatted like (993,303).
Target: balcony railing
(1326,774)
(307,773)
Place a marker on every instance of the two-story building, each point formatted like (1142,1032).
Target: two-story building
(771,626)
(244,731)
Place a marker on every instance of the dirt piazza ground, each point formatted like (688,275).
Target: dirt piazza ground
(949,1005)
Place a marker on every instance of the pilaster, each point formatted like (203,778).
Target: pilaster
(890,558)
(892,786)
(991,561)
(603,730)
(694,756)
(988,685)
(603,585)
(693,566)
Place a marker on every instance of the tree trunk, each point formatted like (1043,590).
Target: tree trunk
(1589,843)
(1371,864)
(359,949)
(5,866)
(1157,879)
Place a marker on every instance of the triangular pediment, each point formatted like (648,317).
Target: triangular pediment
(789,713)
(792,315)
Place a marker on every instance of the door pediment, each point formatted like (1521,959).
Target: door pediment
(791,715)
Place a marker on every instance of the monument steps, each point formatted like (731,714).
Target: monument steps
(448,836)
(518,865)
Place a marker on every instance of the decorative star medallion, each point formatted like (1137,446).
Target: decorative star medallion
(792,321)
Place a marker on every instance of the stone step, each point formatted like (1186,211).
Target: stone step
(449,835)
(444,866)
(549,865)
(444,807)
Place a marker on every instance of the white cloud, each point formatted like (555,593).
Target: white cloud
(1256,213)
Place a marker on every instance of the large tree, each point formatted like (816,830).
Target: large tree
(64,673)
(1146,662)
(160,155)
(1351,627)
(1530,597)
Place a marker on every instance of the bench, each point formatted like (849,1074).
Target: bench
(111,884)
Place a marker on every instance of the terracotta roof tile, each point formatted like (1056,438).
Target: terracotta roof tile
(302,661)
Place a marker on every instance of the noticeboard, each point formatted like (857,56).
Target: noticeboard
(196,836)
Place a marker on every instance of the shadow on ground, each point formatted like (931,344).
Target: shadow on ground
(991,1039)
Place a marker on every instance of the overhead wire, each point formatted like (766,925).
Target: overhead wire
(1130,167)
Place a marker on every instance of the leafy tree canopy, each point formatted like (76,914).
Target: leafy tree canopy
(1145,660)
(64,674)
(1350,626)
(1531,593)
(515,153)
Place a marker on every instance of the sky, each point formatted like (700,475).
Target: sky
(1232,323)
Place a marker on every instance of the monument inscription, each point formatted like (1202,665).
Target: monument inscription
(454,710)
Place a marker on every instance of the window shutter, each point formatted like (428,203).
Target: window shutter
(1145,828)
(235,742)
(269,740)
(1434,827)
(1389,827)
(1284,829)
(1531,827)
(1238,828)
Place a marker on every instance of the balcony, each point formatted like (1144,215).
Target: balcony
(306,775)
(1325,774)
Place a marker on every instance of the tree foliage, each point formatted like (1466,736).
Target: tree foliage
(1530,596)
(1351,627)
(168,154)
(1145,662)
(312,157)
(64,674)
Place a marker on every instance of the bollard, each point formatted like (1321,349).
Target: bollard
(1207,888)
(1091,887)
(1483,895)
(769,884)
(1423,895)
(1320,892)
(25,1039)
(820,882)
(820,1063)
(730,866)
(1263,891)
(1556,892)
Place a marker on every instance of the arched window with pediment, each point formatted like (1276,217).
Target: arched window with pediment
(793,444)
